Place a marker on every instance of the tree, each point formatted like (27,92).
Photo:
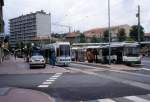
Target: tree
(121,35)
(129,39)
(94,39)
(134,33)
(106,36)
(82,38)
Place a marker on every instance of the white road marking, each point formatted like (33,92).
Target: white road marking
(58,73)
(106,100)
(43,86)
(136,99)
(47,83)
(50,80)
(55,76)
(146,69)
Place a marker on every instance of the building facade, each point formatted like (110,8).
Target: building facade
(24,28)
(99,32)
(147,37)
(1,21)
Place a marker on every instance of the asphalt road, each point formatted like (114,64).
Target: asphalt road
(146,62)
(85,84)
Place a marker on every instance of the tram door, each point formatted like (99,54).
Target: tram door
(119,53)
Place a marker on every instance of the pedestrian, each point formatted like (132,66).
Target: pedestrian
(15,55)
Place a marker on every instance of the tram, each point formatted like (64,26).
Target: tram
(61,51)
(121,52)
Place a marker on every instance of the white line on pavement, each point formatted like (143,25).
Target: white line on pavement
(47,83)
(50,80)
(136,99)
(146,69)
(58,73)
(43,86)
(106,100)
(55,76)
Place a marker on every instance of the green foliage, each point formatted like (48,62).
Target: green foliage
(129,39)
(82,38)
(106,36)
(94,39)
(121,35)
(134,33)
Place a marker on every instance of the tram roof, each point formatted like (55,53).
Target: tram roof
(88,44)
(145,42)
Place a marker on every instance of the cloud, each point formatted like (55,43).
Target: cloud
(82,14)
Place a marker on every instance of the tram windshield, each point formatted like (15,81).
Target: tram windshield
(64,50)
(132,51)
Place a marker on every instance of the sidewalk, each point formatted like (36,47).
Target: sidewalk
(112,66)
(23,95)
(19,66)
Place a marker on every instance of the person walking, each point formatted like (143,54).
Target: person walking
(15,55)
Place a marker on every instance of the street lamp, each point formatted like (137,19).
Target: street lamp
(109,32)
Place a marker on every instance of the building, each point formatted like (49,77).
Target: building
(1,21)
(72,37)
(99,32)
(147,37)
(26,27)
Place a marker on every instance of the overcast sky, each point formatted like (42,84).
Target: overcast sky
(81,14)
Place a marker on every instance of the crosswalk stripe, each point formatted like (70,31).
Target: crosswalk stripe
(50,80)
(43,86)
(106,100)
(136,99)
(47,83)
(58,73)
(55,76)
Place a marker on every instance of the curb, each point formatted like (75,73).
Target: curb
(91,64)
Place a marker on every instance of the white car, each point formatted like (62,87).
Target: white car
(37,61)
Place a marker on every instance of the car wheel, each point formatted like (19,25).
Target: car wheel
(44,66)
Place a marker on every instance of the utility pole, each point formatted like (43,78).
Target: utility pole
(109,32)
(139,25)
(50,36)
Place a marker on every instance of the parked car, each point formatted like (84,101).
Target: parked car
(37,61)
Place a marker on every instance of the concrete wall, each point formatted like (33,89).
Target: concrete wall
(43,24)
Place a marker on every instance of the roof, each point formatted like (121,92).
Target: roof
(99,31)
(72,34)
(147,34)
(95,32)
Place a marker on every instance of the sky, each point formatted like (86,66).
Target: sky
(81,14)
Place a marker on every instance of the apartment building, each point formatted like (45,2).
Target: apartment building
(26,27)
(1,21)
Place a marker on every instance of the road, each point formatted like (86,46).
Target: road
(86,83)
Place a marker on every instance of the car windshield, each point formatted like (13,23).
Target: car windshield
(37,57)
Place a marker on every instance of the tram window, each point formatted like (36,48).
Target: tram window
(57,53)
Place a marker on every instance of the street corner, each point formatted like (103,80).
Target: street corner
(12,94)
